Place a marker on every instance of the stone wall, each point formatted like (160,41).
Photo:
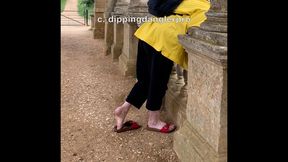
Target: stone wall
(204,132)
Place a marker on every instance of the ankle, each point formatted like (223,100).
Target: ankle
(125,108)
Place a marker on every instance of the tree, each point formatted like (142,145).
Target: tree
(87,3)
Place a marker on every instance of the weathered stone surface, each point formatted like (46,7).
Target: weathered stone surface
(99,27)
(118,41)
(138,6)
(190,146)
(109,7)
(175,105)
(206,108)
(121,7)
(218,6)
(109,27)
(99,30)
(213,52)
(127,60)
(127,66)
(205,94)
(109,35)
(209,37)
(216,21)
(128,44)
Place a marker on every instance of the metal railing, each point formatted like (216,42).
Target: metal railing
(72,17)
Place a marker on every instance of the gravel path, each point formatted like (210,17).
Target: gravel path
(91,87)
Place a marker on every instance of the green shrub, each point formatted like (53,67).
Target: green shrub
(63,3)
(85,5)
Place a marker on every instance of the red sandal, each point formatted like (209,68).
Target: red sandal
(164,129)
(128,125)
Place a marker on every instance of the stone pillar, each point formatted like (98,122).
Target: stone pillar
(127,60)
(99,27)
(203,136)
(119,10)
(108,36)
(117,45)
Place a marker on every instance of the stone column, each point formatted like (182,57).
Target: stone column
(99,30)
(108,36)
(117,45)
(127,60)
(119,10)
(203,136)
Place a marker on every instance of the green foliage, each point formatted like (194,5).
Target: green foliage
(85,5)
(63,3)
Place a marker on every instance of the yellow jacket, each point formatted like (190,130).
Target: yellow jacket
(163,36)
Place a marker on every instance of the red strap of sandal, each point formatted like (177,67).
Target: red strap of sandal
(134,125)
(165,129)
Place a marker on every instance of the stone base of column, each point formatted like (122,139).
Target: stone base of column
(190,146)
(99,27)
(175,106)
(127,66)
(116,52)
(116,48)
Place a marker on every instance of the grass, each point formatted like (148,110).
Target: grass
(63,3)
(81,9)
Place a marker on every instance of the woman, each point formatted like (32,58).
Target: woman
(158,50)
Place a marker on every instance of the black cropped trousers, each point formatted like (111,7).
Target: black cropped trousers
(153,71)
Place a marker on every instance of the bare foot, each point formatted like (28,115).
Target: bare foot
(120,114)
(160,124)
(155,122)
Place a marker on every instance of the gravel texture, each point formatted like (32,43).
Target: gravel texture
(91,87)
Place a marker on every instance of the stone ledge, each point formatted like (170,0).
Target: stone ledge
(216,53)
(214,27)
(215,38)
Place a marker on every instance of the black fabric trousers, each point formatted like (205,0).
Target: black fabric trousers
(153,71)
